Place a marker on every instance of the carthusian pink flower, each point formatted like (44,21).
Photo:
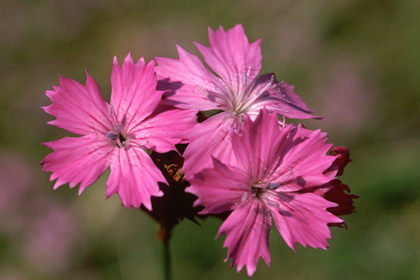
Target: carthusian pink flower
(274,165)
(235,90)
(116,135)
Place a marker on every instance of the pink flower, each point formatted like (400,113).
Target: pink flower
(118,135)
(273,167)
(236,90)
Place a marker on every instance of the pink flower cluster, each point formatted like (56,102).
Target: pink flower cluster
(243,160)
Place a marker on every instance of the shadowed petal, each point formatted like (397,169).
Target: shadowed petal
(194,76)
(134,177)
(247,232)
(280,98)
(77,160)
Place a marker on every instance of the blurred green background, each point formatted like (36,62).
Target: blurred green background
(357,63)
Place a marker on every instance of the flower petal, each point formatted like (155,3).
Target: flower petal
(165,128)
(77,160)
(305,163)
(343,158)
(292,156)
(231,56)
(134,95)
(303,218)
(134,177)
(208,139)
(261,145)
(337,192)
(194,77)
(220,188)
(247,232)
(280,98)
(78,108)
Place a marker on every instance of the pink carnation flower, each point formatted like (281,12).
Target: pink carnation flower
(274,165)
(236,90)
(116,135)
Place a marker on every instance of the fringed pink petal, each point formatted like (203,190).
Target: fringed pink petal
(303,218)
(280,98)
(134,177)
(208,139)
(306,160)
(232,57)
(77,160)
(165,128)
(219,189)
(247,232)
(261,144)
(78,108)
(134,95)
(196,82)
(289,156)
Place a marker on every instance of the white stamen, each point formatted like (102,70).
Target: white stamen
(141,144)
(245,76)
(283,124)
(111,110)
(268,85)
(203,91)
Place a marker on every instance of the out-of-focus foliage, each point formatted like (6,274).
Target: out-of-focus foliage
(357,63)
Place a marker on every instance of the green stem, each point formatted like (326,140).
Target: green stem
(165,236)
(166,260)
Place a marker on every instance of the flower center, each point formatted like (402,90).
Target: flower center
(250,94)
(117,137)
(247,94)
(260,188)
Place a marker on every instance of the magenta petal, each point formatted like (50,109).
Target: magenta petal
(230,55)
(77,160)
(165,128)
(134,95)
(208,139)
(219,189)
(194,76)
(292,156)
(247,232)
(261,145)
(78,108)
(306,162)
(303,218)
(281,99)
(134,177)
(237,89)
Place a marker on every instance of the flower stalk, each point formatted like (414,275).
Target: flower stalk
(164,236)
